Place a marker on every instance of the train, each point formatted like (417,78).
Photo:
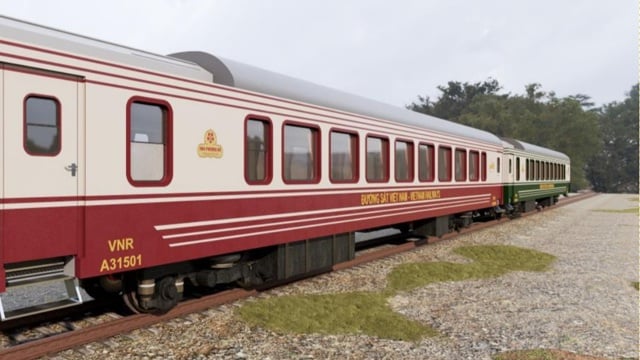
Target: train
(136,175)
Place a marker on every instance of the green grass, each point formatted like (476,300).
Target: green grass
(620,211)
(368,312)
(349,313)
(636,285)
(542,354)
(538,354)
(489,261)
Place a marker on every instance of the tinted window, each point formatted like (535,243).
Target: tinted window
(425,162)
(404,161)
(377,159)
(344,157)
(461,165)
(42,126)
(300,156)
(474,166)
(257,151)
(444,164)
(149,152)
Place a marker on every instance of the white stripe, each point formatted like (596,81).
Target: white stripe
(415,205)
(39,205)
(196,242)
(303,213)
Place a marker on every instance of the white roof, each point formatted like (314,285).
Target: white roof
(233,73)
(46,37)
(533,149)
(205,67)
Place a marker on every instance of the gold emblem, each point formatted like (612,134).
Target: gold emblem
(210,147)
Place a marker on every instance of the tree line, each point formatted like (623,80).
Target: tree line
(602,142)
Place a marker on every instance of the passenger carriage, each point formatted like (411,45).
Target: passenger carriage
(133,174)
(534,177)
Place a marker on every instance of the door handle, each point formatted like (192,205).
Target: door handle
(73,168)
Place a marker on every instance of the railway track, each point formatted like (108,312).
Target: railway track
(92,323)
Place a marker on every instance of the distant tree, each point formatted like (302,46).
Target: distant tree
(566,124)
(584,100)
(567,127)
(455,98)
(615,168)
(424,105)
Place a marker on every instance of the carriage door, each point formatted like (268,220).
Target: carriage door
(41,170)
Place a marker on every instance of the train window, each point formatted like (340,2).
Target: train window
(344,157)
(474,166)
(444,163)
(560,172)
(510,166)
(483,166)
(301,158)
(149,142)
(517,169)
(404,161)
(538,172)
(425,162)
(461,164)
(498,165)
(257,153)
(377,159)
(42,126)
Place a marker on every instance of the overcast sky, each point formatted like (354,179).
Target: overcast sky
(390,51)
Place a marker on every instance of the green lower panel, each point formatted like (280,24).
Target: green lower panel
(534,191)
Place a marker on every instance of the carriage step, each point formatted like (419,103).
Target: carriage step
(38,309)
(37,287)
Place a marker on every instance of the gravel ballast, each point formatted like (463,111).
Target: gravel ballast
(585,303)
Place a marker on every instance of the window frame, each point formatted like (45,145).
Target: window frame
(168,145)
(410,160)
(431,163)
(25,124)
(483,166)
(268,159)
(355,156)
(463,164)
(317,156)
(384,158)
(476,164)
(448,166)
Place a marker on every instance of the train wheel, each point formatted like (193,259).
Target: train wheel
(166,295)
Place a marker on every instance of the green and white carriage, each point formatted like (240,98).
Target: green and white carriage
(533,176)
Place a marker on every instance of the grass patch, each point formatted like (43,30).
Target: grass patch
(543,354)
(369,314)
(489,261)
(634,210)
(636,285)
(349,313)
